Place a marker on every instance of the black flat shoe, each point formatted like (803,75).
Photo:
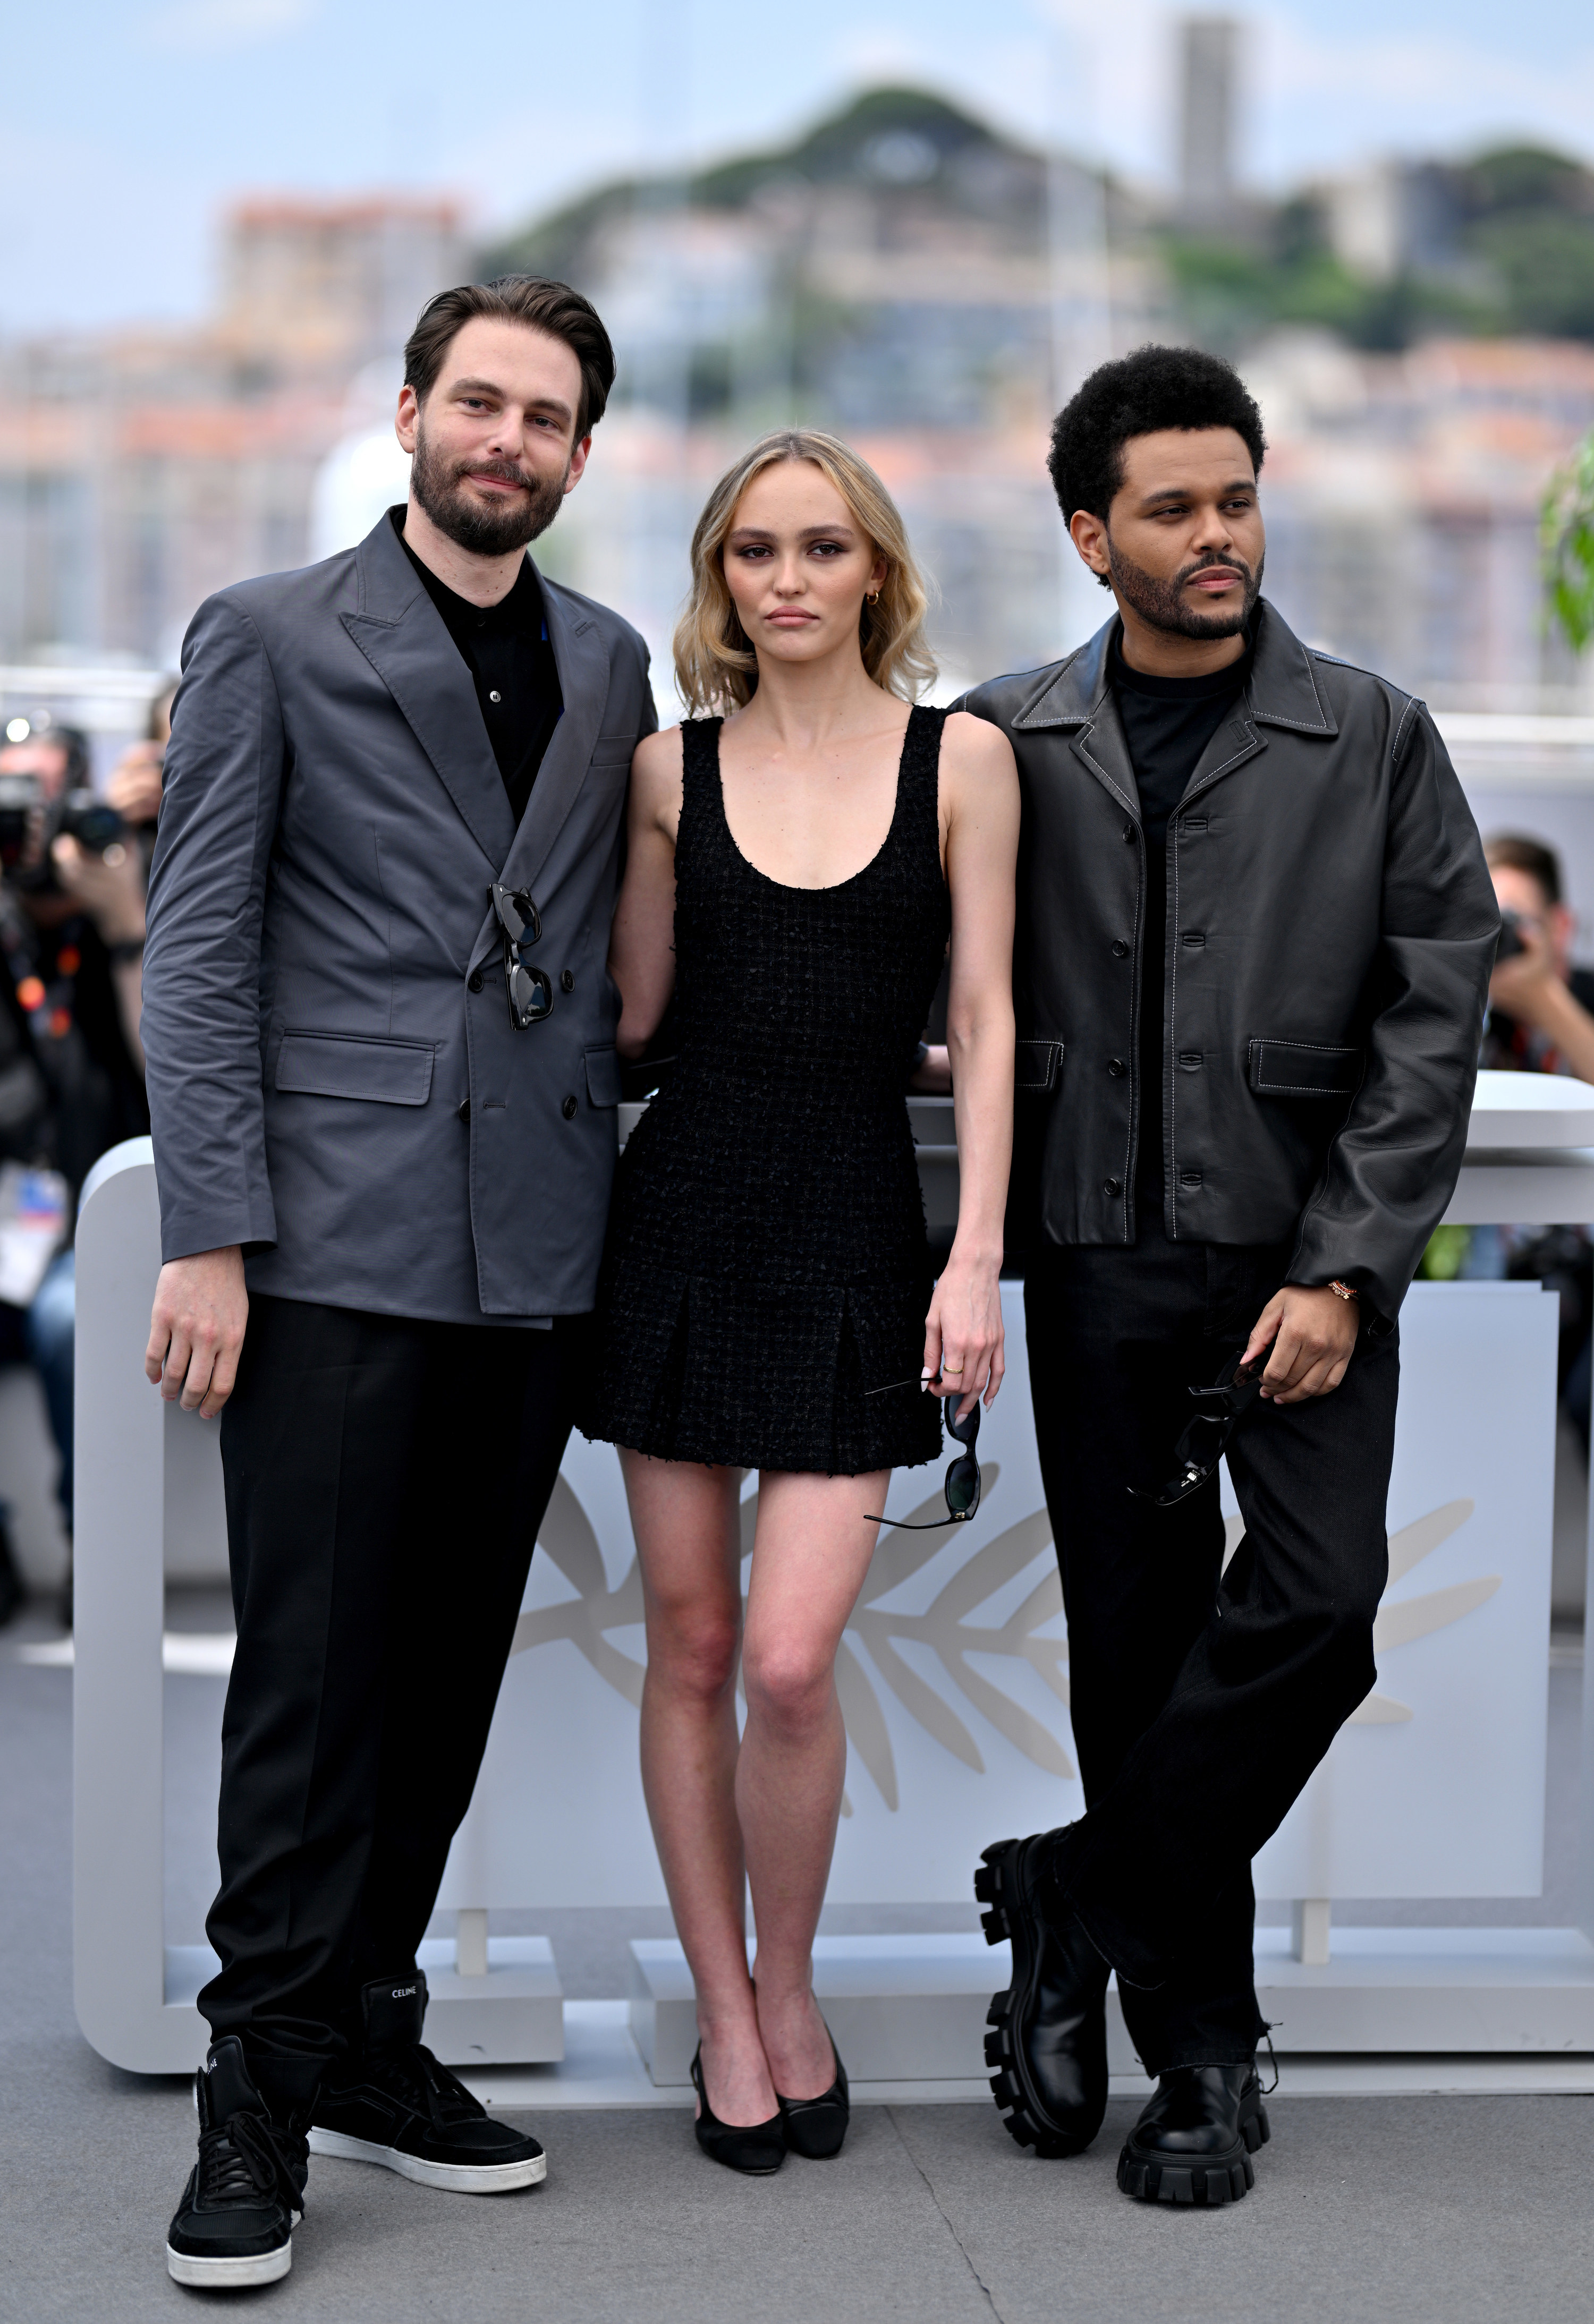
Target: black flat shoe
(1194,2140)
(815,2127)
(1048,2046)
(755,2147)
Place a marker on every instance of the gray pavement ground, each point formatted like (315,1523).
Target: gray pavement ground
(1450,2209)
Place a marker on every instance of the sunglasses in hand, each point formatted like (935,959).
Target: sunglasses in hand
(962,1478)
(1201,1443)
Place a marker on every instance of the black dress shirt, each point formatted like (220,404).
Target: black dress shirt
(1168,722)
(507,650)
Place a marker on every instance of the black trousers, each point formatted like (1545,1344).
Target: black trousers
(385,1480)
(1200,1705)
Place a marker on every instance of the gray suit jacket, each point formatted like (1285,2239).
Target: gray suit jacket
(323,986)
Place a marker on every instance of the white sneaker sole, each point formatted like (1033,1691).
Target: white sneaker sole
(454,2178)
(228,2274)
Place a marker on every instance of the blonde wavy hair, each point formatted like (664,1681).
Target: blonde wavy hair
(715,668)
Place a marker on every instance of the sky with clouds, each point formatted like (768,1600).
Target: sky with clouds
(129,124)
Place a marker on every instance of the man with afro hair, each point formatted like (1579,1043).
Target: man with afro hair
(1255,936)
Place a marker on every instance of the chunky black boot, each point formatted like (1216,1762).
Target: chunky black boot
(1049,2045)
(1194,2142)
(392,2103)
(232,2227)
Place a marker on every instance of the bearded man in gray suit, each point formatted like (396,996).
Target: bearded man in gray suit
(382,1076)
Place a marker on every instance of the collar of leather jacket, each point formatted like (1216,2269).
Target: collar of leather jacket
(1281,691)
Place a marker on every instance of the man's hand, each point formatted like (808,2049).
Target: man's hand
(109,888)
(1313,1334)
(197,1329)
(133,784)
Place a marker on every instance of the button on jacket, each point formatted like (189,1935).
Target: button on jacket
(1331,929)
(334,1080)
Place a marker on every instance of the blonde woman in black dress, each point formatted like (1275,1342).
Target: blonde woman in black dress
(795,870)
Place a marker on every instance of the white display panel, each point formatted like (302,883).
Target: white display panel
(559,1811)
(954,1676)
(1436,1788)
(955,1738)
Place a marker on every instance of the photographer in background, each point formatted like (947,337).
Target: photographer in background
(133,784)
(71,947)
(1541,1020)
(1541,1017)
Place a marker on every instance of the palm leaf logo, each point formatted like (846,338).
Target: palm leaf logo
(570,1541)
(1418,1617)
(947,1631)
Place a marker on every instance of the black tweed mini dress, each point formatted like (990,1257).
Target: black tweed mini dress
(766,1264)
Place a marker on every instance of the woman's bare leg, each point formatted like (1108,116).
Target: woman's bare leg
(689,1546)
(810,1558)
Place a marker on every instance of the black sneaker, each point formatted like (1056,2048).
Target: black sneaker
(238,2209)
(394,2105)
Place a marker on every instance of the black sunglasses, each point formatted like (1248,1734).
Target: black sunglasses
(1201,1442)
(530,994)
(962,1478)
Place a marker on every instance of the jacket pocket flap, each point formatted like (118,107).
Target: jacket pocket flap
(347,1064)
(603,1076)
(1304,1069)
(1036,1065)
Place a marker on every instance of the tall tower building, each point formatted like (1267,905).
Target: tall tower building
(1208,62)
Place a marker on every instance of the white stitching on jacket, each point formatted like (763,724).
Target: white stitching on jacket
(1412,705)
(1260,1041)
(1171,946)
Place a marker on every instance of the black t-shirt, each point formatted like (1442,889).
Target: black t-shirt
(506,650)
(1168,722)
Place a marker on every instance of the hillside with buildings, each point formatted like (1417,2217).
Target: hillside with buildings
(141,470)
(903,273)
(907,276)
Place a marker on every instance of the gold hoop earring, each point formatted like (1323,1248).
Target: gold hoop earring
(874,597)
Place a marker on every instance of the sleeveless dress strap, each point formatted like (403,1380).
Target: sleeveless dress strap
(702,811)
(919,781)
(699,751)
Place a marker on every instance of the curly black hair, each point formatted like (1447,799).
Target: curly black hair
(1154,388)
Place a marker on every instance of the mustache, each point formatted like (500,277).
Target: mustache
(1213,563)
(505,471)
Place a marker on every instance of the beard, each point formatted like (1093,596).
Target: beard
(490,531)
(1161,603)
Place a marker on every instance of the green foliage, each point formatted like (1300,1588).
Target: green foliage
(1228,292)
(1543,260)
(838,148)
(1525,176)
(1567,533)
(906,126)
(558,245)
(1446,1254)
(1510,248)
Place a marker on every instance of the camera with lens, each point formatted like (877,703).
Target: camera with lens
(29,825)
(1511,938)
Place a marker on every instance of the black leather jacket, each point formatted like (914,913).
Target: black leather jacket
(1331,930)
